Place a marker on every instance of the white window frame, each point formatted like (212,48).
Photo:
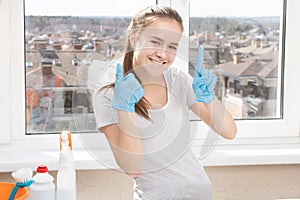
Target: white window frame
(12,114)
(5,132)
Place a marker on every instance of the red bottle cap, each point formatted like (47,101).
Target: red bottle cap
(42,169)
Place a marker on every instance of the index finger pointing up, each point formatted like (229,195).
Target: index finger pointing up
(199,59)
(119,72)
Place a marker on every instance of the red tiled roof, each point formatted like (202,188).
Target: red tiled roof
(264,66)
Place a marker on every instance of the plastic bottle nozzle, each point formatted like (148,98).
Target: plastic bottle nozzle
(65,136)
(42,169)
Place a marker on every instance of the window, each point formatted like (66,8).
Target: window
(244,48)
(233,87)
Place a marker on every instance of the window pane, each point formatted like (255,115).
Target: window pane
(68,47)
(243,45)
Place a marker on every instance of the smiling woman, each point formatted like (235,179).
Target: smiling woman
(144,113)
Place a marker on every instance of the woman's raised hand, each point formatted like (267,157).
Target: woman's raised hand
(204,80)
(128,91)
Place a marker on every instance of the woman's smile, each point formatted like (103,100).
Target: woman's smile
(157,62)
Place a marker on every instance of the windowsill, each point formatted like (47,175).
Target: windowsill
(227,153)
(271,151)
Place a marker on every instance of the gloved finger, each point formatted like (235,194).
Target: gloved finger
(119,72)
(131,78)
(138,94)
(199,86)
(208,76)
(197,74)
(212,83)
(207,73)
(137,90)
(199,59)
(134,83)
(198,82)
(211,79)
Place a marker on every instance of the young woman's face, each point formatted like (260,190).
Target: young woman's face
(156,45)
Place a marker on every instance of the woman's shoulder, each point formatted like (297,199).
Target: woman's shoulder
(104,91)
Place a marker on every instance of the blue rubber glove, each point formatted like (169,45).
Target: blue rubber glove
(204,80)
(128,91)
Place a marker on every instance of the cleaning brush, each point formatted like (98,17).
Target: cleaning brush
(23,179)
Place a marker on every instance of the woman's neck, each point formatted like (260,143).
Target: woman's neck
(146,78)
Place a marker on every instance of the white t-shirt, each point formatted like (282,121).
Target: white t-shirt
(170,169)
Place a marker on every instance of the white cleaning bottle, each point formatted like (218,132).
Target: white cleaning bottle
(43,186)
(66,175)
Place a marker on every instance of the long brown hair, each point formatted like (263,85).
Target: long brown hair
(141,20)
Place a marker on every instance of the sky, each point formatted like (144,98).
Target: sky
(238,8)
(85,7)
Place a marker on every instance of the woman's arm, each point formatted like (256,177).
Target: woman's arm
(124,137)
(125,143)
(216,117)
(208,108)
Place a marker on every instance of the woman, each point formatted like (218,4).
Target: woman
(144,114)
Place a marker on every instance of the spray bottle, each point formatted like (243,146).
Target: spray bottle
(66,175)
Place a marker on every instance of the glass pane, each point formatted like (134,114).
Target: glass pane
(243,46)
(69,44)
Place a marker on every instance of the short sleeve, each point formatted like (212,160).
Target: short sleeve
(190,95)
(181,82)
(102,105)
